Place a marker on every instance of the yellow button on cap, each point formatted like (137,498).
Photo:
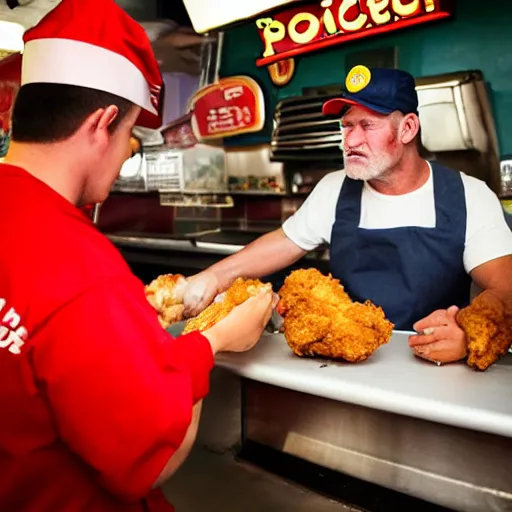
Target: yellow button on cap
(358,78)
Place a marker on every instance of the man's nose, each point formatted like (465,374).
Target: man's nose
(353,137)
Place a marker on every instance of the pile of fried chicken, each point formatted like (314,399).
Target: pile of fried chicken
(487,323)
(320,319)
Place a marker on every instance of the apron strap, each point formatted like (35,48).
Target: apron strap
(450,201)
(348,207)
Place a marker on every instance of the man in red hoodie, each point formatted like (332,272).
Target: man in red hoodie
(99,404)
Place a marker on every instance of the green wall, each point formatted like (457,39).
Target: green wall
(479,37)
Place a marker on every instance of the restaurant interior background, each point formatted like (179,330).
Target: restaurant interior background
(476,38)
(189,198)
(253,182)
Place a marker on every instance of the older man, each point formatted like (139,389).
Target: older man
(408,234)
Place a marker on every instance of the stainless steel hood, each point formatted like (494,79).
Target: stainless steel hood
(302,132)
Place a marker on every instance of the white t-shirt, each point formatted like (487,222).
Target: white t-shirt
(487,234)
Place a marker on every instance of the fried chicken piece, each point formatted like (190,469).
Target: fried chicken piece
(235,295)
(315,285)
(320,319)
(488,329)
(165,294)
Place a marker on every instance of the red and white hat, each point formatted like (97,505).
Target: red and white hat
(95,44)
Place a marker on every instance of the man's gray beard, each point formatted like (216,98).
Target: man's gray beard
(369,173)
(381,176)
(365,174)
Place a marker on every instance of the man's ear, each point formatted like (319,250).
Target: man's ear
(107,117)
(96,127)
(410,126)
(98,122)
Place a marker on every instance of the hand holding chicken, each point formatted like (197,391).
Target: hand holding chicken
(239,292)
(166,294)
(233,323)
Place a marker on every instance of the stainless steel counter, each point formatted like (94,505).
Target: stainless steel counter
(392,380)
(441,434)
(168,244)
(202,242)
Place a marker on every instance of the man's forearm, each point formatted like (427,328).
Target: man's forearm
(505,296)
(183,451)
(266,255)
(496,278)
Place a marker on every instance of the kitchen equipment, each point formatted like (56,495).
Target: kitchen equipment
(302,132)
(457,125)
(152,169)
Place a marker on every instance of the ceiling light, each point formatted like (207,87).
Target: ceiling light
(11,36)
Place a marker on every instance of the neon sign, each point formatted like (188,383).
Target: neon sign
(328,22)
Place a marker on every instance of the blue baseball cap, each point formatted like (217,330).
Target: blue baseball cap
(379,89)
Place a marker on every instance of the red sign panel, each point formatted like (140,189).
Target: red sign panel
(10,78)
(328,22)
(232,106)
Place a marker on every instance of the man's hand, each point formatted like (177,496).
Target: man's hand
(200,293)
(266,255)
(244,325)
(440,337)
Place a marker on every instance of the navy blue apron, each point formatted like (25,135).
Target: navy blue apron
(409,271)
